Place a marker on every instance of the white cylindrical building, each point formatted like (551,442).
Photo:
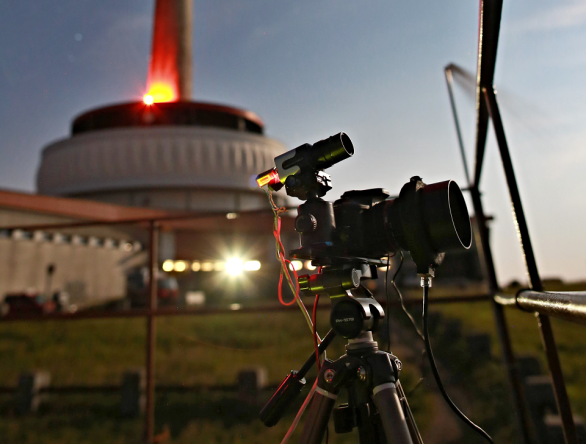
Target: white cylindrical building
(177,155)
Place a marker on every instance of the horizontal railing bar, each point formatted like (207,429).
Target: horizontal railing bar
(80,315)
(73,389)
(568,305)
(133,221)
(175,388)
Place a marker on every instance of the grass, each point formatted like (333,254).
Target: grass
(570,339)
(213,349)
(190,350)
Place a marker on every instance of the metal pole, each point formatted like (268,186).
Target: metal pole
(149,420)
(568,305)
(500,319)
(450,83)
(563,403)
(486,253)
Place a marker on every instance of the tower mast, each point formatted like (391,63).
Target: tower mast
(170,69)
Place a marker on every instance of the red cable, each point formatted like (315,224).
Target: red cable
(284,263)
(295,296)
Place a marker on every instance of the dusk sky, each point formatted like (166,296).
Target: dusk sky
(373,69)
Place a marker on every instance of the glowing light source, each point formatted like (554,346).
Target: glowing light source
(179,266)
(308,266)
(231,216)
(270,177)
(168,265)
(234,266)
(195,266)
(207,266)
(219,265)
(160,92)
(252,265)
(298,265)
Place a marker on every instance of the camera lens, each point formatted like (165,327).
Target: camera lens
(426,220)
(445,216)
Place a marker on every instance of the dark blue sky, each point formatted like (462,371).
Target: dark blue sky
(312,68)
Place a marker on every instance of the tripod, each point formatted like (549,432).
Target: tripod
(376,402)
(346,240)
(377,405)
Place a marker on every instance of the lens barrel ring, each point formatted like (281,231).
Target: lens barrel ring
(414,229)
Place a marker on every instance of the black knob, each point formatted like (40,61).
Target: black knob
(305,223)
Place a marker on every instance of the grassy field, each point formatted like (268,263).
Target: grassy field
(213,349)
(190,350)
(570,339)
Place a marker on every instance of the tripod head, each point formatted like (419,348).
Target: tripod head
(350,316)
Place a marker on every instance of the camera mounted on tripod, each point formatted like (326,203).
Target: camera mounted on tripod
(348,239)
(364,226)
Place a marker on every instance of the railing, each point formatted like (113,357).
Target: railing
(570,306)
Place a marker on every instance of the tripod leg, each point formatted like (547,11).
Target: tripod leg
(391,413)
(415,435)
(318,417)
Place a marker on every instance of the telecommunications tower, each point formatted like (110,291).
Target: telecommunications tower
(166,151)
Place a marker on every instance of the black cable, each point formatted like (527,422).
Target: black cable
(402,301)
(388,320)
(436,374)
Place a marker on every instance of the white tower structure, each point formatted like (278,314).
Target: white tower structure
(166,152)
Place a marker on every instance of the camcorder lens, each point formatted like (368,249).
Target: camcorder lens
(446,216)
(427,221)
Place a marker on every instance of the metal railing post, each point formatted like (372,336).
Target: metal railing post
(500,320)
(486,253)
(149,420)
(562,400)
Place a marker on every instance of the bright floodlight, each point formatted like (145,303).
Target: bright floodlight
(179,266)
(298,265)
(308,266)
(234,266)
(168,265)
(148,99)
(252,265)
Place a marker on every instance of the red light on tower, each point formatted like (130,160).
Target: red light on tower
(169,77)
(160,92)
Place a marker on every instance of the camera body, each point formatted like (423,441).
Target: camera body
(426,220)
